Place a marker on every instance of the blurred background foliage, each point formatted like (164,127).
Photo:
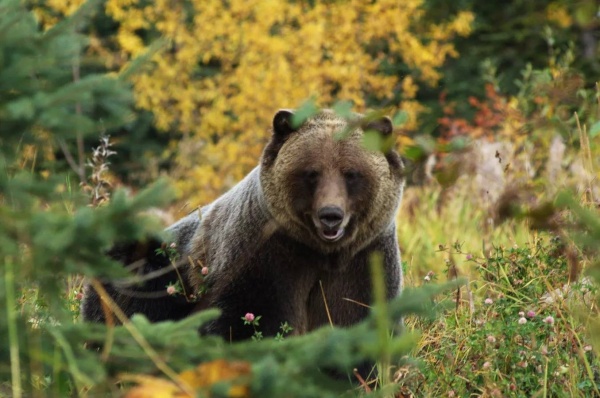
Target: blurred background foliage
(226,67)
(497,109)
(205,99)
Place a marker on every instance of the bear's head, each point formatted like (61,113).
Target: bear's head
(328,192)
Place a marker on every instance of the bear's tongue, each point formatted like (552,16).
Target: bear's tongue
(333,234)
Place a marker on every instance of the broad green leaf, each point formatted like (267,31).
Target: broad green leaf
(413,152)
(400,118)
(372,141)
(304,112)
(343,108)
(594,130)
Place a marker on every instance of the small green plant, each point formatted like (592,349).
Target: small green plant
(169,251)
(252,320)
(511,332)
(285,329)
(174,288)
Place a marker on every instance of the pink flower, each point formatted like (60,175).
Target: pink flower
(469,256)
(204,271)
(486,365)
(530,314)
(429,275)
(522,321)
(549,320)
(489,301)
(491,339)
(249,317)
(171,290)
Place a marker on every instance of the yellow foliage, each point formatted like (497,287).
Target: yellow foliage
(202,377)
(559,14)
(65,7)
(152,387)
(231,64)
(62,7)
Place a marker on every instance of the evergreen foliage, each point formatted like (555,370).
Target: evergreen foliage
(506,39)
(50,234)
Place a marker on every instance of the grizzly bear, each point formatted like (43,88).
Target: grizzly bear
(291,242)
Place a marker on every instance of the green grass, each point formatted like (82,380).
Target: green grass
(432,220)
(502,335)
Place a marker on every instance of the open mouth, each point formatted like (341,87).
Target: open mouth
(331,235)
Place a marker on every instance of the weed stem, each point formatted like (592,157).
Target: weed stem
(13,339)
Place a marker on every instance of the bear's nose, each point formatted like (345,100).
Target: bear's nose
(331,216)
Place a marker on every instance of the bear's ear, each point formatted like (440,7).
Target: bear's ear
(282,128)
(385,127)
(282,122)
(382,125)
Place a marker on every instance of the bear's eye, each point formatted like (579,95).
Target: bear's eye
(311,176)
(352,175)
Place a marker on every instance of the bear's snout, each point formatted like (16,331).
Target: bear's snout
(331,219)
